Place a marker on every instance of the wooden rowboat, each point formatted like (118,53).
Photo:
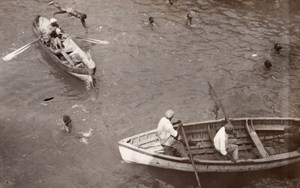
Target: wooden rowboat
(83,68)
(261,146)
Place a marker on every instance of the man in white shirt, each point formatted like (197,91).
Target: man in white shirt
(169,137)
(221,143)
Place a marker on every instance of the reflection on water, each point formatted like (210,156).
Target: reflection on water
(143,71)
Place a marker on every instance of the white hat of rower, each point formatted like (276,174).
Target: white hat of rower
(53,20)
(58,31)
(169,114)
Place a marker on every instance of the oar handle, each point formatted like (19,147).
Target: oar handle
(190,155)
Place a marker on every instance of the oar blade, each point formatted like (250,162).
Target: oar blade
(100,41)
(12,55)
(95,41)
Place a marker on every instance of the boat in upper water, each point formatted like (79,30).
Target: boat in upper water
(262,145)
(71,58)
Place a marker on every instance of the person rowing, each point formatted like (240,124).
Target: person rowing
(56,38)
(48,30)
(70,12)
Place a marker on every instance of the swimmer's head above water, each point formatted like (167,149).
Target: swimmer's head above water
(151,20)
(68,123)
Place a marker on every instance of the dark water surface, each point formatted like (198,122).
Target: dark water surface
(140,74)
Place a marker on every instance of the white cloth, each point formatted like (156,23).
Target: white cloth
(45,28)
(165,131)
(221,141)
(71,46)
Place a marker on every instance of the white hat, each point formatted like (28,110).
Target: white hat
(53,20)
(169,114)
(58,31)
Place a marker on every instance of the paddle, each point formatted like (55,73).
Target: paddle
(95,41)
(13,54)
(190,155)
(219,103)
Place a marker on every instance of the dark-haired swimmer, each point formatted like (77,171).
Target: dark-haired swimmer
(189,19)
(71,12)
(151,21)
(268,64)
(83,136)
(68,123)
(277,47)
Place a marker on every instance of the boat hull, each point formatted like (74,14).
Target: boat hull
(85,74)
(133,153)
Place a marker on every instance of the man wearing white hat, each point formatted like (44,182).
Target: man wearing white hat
(50,29)
(169,137)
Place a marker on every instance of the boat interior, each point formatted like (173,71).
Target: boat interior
(256,138)
(69,54)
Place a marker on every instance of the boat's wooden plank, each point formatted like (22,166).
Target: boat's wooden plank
(67,57)
(269,127)
(202,145)
(206,137)
(209,144)
(146,141)
(213,150)
(262,151)
(193,131)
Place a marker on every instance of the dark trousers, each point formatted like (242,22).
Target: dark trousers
(176,149)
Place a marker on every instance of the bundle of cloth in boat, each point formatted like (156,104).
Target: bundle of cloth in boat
(292,138)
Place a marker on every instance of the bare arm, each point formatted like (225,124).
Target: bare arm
(57,6)
(83,23)
(60,12)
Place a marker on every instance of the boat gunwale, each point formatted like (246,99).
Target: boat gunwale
(72,70)
(270,159)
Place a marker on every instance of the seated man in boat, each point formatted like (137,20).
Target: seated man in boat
(169,137)
(50,31)
(222,145)
(71,12)
(54,23)
(56,38)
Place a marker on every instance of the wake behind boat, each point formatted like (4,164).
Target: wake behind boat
(261,146)
(71,58)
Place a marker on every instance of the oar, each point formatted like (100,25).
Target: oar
(219,103)
(95,41)
(13,54)
(191,157)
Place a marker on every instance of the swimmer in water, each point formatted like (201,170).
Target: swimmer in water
(268,64)
(277,48)
(189,19)
(68,123)
(83,136)
(151,21)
